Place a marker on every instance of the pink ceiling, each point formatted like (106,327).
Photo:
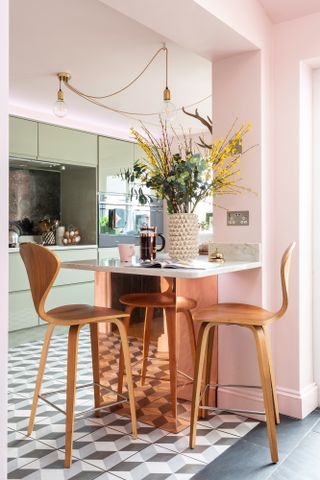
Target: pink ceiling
(282,10)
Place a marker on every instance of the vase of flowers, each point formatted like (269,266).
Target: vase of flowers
(184,172)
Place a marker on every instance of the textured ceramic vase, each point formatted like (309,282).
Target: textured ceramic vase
(183,235)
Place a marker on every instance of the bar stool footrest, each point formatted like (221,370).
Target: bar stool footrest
(84,413)
(231,410)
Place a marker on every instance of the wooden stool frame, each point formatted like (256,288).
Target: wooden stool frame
(42,267)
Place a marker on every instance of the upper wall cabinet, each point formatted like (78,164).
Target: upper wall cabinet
(23,135)
(114,156)
(66,145)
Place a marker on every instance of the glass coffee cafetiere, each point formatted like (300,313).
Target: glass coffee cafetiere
(148,243)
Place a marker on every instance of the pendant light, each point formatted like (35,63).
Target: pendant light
(60,108)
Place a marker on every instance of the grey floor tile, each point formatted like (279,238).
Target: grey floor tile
(210,443)
(106,447)
(156,462)
(23,450)
(243,461)
(108,476)
(303,463)
(51,467)
(317,427)
(290,432)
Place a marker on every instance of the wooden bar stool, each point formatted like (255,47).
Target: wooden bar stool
(43,267)
(169,303)
(257,320)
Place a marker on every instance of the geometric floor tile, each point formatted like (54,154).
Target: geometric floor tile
(51,467)
(106,447)
(230,423)
(156,462)
(209,444)
(23,450)
(103,446)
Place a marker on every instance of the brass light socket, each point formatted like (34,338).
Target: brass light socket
(64,76)
(166,94)
(60,95)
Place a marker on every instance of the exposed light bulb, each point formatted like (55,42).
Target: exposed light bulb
(60,108)
(168,111)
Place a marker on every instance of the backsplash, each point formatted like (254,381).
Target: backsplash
(33,194)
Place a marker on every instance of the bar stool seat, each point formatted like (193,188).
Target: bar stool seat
(157,300)
(42,267)
(166,301)
(257,320)
(82,313)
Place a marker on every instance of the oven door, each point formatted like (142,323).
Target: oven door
(121,218)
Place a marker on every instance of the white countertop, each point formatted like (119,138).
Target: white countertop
(114,265)
(60,247)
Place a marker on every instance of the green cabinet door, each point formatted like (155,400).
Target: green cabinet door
(65,145)
(23,138)
(82,293)
(114,156)
(22,313)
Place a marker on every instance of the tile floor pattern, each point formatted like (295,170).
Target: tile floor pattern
(103,447)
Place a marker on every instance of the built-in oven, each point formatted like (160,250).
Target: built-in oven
(121,217)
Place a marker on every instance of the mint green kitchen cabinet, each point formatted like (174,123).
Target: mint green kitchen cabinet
(72,294)
(114,156)
(65,145)
(21,311)
(71,286)
(23,138)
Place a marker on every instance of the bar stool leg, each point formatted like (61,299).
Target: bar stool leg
(127,363)
(207,372)
(126,323)
(146,341)
(273,380)
(43,360)
(95,365)
(170,315)
(192,333)
(71,390)
(199,367)
(266,382)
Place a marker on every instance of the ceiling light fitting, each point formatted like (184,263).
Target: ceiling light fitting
(60,108)
(167,112)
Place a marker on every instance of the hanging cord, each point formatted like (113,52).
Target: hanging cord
(94,99)
(126,86)
(125,113)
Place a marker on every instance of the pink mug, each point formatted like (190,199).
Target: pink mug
(126,251)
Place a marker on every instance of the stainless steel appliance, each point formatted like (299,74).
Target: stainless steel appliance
(121,218)
(13,239)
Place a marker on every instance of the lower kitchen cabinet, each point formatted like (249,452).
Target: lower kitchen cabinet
(21,311)
(66,294)
(71,286)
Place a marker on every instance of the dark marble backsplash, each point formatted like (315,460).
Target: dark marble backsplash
(33,194)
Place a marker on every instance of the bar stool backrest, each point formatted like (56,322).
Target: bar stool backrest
(284,272)
(42,267)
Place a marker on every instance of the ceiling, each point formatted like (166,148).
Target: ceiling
(103,50)
(283,10)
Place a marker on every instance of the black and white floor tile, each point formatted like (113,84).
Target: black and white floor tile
(103,448)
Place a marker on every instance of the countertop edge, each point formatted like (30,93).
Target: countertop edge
(60,248)
(227,267)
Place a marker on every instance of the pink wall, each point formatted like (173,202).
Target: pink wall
(236,97)
(282,112)
(4,143)
(293,188)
